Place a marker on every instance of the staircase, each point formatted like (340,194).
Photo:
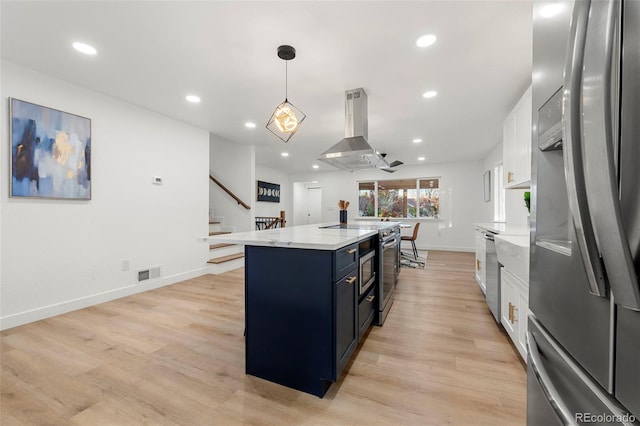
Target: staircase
(223,257)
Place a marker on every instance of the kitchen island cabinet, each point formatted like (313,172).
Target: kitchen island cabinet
(300,313)
(302,303)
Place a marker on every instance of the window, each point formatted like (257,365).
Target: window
(366,199)
(408,198)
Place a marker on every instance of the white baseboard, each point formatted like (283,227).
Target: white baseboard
(37,314)
(447,248)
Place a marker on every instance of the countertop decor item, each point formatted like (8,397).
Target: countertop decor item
(286,118)
(343,206)
(527,200)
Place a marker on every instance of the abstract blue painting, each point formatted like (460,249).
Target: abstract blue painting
(50,153)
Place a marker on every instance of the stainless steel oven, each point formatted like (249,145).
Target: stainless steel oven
(367,271)
(388,270)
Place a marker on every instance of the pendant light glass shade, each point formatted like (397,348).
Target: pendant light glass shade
(286,118)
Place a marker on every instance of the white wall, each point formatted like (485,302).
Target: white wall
(461,200)
(233,165)
(516,210)
(62,255)
(490,161)
(264,208)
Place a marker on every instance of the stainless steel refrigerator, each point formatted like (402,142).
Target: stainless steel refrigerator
(584,331)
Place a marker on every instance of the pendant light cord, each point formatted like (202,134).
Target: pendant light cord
(286,78)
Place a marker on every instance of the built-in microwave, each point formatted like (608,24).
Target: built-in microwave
(367,271)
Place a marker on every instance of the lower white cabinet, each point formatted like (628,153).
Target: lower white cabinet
(481,274)
(514,307)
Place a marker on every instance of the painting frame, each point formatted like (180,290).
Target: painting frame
(267,191)
(50,153)
(486,180)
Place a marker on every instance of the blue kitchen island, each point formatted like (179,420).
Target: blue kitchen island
(304,313)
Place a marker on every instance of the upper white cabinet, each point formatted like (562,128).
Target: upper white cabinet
(516,152)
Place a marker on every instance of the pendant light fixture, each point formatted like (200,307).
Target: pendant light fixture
(286,119)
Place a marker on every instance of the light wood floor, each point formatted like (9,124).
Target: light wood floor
(175,355)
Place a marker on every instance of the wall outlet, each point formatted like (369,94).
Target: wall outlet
(126,264)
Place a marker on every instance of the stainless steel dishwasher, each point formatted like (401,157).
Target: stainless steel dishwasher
(492,270)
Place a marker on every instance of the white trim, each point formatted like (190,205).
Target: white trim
(26,317)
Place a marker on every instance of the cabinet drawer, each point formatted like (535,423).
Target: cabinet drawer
(346,259)
(366,311)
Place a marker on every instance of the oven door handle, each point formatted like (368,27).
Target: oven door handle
(391,242)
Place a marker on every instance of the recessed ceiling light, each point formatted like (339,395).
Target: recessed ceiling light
(84,48)
(417,140)
(426,40)
(193,99)
(421,158)
(430,94)
(315,166)
(250,125)
(285,154)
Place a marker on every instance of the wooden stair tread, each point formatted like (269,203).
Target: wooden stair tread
(218,233)
(217,246)
(228,258)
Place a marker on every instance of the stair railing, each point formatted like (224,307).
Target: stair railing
(269,222)
(231,194)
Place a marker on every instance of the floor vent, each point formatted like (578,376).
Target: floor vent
(146,274)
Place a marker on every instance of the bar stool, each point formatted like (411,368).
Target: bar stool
(413,240)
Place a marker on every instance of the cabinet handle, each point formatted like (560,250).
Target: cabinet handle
(351,280)
(351,251)
(512,313)
(371,298)
(510,177)
(477,264)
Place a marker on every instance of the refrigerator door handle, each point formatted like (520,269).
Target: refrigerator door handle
(572,156)
(550,392)
(598,88)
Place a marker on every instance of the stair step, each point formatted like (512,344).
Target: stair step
(219,233)
(223,259)
(217,246)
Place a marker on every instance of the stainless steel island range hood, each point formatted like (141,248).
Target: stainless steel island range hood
(354,152)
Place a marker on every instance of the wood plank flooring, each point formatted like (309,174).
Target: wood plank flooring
(175,356)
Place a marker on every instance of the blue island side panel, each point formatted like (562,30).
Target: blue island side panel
(289,320)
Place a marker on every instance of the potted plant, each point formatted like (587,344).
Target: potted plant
(527,200)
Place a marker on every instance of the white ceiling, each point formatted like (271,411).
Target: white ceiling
(153,53)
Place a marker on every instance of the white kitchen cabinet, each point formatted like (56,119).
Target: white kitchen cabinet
(481,274)
(516,150)
(514,306)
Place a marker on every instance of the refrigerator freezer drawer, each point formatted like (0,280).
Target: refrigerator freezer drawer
(561,390)
(627,357)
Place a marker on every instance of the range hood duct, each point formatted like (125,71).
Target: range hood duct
(354,152)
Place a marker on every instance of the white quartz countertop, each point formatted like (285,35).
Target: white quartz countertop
(504,228)
(304,236)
